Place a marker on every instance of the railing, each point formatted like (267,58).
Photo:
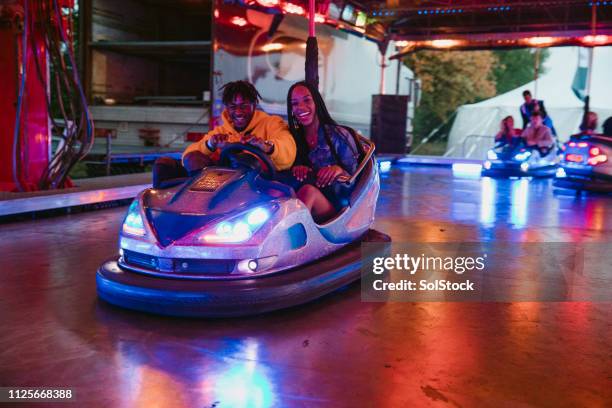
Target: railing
(440,132)
(474,145)
(367,157)
(467,152)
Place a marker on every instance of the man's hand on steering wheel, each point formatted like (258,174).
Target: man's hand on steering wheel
(265,146)
(217,141)
(231,154)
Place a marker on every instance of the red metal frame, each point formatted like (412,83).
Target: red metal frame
(34,135)
(24,170)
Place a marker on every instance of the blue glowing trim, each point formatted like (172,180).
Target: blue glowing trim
(133,223)
(258,216)
(466,170)
(522,156)
(239,229)
(385,166)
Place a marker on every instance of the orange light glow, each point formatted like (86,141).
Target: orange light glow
(291,8)
(444,43)
(402,44)
(574,158)
(239,21)
(272,47)
(268,3)
(597,39)
(539,41)
(594,161)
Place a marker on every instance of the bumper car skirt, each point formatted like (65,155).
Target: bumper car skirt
(515,171)
(240,297)
(599,185)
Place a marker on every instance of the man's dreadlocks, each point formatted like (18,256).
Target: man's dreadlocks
(243,88)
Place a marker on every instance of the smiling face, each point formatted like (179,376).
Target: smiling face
(303,106)
(240,111)
(536,121)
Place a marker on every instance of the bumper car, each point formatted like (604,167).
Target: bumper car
(585,164)
(508,160)
(233,241)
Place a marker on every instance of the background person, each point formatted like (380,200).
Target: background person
(607,127)
(589,125)
(537,135)
(532,105)
(507,134)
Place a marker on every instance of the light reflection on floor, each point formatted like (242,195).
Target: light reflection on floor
(510,209)
(335,352)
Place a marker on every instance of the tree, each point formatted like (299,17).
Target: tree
(449,79)
(516,67)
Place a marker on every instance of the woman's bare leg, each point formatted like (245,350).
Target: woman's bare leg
(319,206)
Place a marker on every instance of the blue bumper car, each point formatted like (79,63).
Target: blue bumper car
(586,165)
(233,241)
(517,160)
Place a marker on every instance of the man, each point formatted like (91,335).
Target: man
(607,127)
(532,105)
(537,135)
(242,123)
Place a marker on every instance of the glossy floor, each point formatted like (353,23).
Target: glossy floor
(336,352)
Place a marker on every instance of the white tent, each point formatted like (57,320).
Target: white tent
(476,124)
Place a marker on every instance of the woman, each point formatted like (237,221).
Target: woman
(507,134)
(325,151)
(589,125)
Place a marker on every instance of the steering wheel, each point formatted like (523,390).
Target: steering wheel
(229,155)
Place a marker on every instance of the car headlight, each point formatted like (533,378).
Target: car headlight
(133,223)
(238,229)
(522,156)
(491,155)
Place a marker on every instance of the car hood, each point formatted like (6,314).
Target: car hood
(214,194)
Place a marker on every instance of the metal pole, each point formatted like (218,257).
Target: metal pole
(311,18)
(397,77)
(536,72)
(587,98)
(107,166)
(382,73)
(312,49)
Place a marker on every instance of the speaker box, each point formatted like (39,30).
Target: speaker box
(388,124)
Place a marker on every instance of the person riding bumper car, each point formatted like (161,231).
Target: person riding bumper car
(533,154)
(585,164)
(233,241)
(517,160)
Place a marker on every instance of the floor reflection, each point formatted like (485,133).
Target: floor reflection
(337,351)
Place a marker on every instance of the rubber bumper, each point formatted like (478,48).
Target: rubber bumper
(592,184)
(502,172)
(225,298)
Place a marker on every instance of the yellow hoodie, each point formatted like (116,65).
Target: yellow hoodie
(262,125)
